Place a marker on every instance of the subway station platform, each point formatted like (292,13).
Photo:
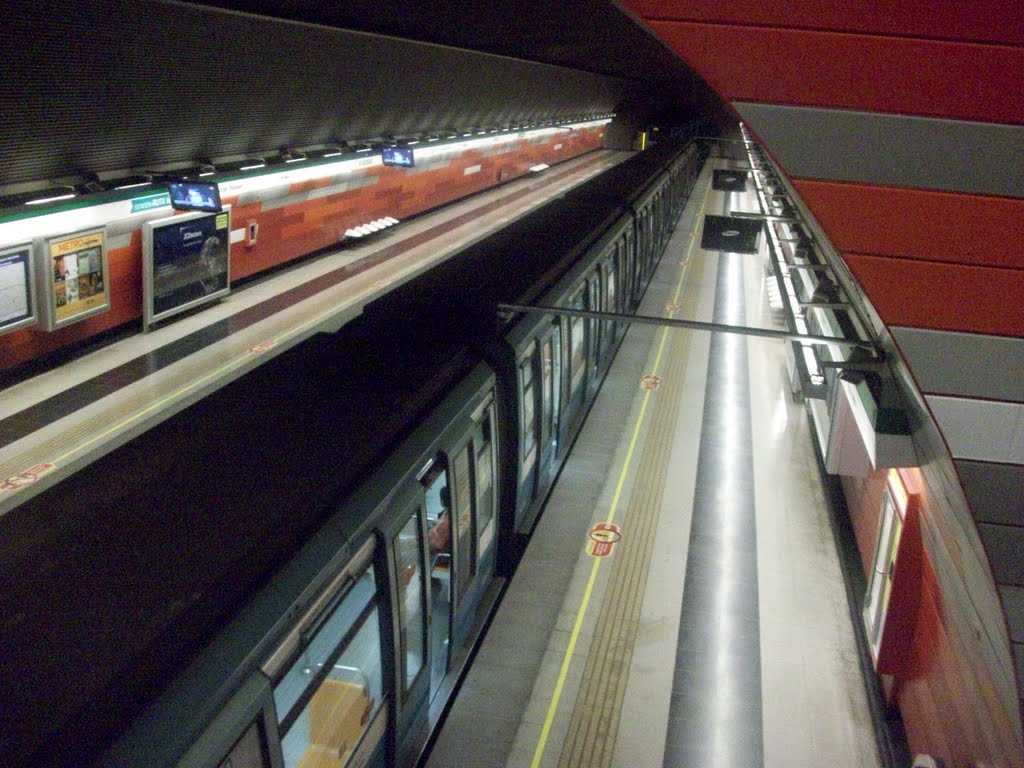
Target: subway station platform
(54,423)
(681,602)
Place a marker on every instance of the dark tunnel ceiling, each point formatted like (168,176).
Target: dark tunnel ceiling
(592,35)
(97,85)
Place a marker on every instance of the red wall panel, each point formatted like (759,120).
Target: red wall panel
(922,294)
(287,232)
(919,224)
(993,21)
(853,71)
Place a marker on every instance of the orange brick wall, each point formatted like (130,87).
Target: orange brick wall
(290,229)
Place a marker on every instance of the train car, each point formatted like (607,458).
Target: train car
(337,660)
(292,571)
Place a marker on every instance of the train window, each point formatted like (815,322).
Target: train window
(596,326)
(556,385)
(610,283)
(412,614)
(577,345)
(442,499)
(327,698)
(483,447)
(528,435)
(547,381)
(465,519)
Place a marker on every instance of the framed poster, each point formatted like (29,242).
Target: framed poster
(186,262)
(73,276)
(17,292)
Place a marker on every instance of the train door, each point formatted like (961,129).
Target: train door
(550,371)
(528,429)
(439,500)
(410,620)
(630,280)
(595,328)
(577,355)
(328,673)
(485,477)
(611,299)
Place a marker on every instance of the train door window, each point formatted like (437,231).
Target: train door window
(441,526)
(547,400)
(331,692)
(528,433)
(464,516)
(483,448)
(611,284)
(577,346)
(412,612)
(595,326)
(556,376)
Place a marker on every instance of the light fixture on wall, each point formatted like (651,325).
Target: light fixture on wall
(252,163)
(293,156)
(51,194)
(130,182)
(332,150)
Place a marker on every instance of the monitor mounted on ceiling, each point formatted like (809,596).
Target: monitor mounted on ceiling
(400,156)
(195,196)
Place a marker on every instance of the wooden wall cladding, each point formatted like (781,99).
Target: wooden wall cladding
(298,220)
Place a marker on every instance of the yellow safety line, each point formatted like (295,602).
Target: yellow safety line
(581,613)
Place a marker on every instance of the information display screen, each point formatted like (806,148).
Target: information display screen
(75,277)
(17,304)
(187,262)
(194,196)
(401,156)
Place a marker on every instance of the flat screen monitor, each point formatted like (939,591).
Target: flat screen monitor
(17,299)
(73,276)
(401,156)
(195,196)
(186,263)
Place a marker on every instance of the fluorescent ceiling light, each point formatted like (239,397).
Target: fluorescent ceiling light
(62,192)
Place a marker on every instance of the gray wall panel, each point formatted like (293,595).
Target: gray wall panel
(967,364)
(994,491)
(1013,601)
(1004,544)
(896,150)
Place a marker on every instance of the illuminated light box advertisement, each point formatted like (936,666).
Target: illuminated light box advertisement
(73,276)
(400,156)
(186,263)
(17,298)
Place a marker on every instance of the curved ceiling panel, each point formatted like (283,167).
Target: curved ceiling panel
(103,85)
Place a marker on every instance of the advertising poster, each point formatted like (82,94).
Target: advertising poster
(17,305)
(77,269)
(188,262)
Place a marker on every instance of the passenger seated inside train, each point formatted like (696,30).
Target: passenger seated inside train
(439,537)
